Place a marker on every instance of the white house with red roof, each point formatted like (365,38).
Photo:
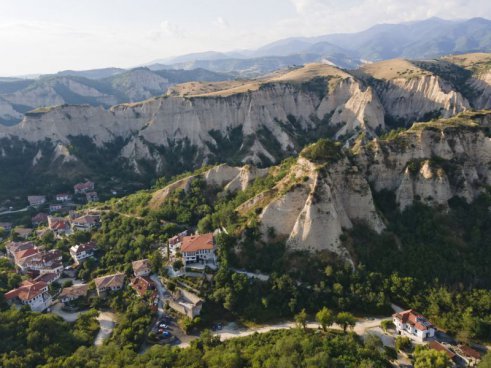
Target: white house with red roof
(58,225)
(34,294)
(414,325)
(80,252)
(198,248)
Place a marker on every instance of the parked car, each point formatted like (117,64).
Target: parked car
(163,325)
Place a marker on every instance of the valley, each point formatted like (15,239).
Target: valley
(318,201)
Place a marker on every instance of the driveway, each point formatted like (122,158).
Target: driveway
(163,295)
(67,316)
(107,321)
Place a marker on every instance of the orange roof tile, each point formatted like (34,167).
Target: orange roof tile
(197,242)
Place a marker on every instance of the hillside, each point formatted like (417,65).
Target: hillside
(259,121)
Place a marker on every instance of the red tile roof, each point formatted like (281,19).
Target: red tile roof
(439,347)
(85,247)
(27,291)
(142,284)
(414,319)
(25,253)
(470,352)
(197,242)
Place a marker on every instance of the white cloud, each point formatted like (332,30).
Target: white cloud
(221,23)
(171,29)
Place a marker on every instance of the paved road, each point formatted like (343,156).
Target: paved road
(15,211)
(163,296)
(107,320)
(67,316)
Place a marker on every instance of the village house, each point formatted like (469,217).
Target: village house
(55,207)
(82,188)
(14,247)
(80,252)
(85,222)
(40,219)
(58,225)
(186,303)
(34,294)
(23,232)
(141,267)
(109,283)
(36,200)
(198,248)
(40,262)
(143,284)
(63,197)
(48,278)
(413,325)
(91,197)
(73,292)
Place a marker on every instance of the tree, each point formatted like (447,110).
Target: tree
(156,261)
(486,361)
(325,318)
(373,342)
(386,324)
(345,319)
(429,358)
(301,319)
(403,343)
(177,265)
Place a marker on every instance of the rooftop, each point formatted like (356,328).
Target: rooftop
(197,242)
(114,280)
(27,291)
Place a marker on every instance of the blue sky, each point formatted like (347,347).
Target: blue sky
(51,35)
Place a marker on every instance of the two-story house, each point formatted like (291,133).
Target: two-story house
(109,283)
(80,252)
(73,292)
(198,248)
(413,324)
(34,294)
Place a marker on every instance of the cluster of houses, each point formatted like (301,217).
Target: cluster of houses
(44,267)
(31,260)
(415,326)
(64,199)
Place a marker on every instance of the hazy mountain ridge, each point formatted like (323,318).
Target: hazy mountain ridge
(68,87)
(428,38)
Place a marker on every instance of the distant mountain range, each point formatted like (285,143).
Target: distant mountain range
(428,38)
(425,39)
(104,87)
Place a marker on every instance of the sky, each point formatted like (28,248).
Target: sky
(52,35)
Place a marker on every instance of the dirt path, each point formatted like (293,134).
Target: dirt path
(107,321)
(231,330)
